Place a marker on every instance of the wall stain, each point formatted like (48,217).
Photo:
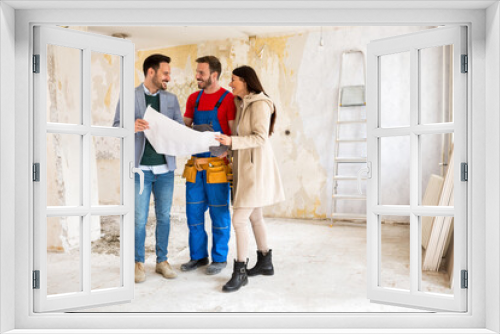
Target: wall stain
(107,98)
(109,58)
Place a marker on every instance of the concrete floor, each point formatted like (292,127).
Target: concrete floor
(318,268)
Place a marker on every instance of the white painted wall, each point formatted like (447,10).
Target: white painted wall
(7,166)
(314,128)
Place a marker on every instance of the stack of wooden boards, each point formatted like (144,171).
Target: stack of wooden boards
(437,232)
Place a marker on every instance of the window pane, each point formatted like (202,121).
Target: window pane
(437,169)
(437,254)
(63,169)
(105,81)
(395,90)
(106,185)
(63,255)
(64,90)
(436,84)
(395,252)
(106,259)
(395,170)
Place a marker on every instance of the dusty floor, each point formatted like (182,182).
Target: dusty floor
(318,268)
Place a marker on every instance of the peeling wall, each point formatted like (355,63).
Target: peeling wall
(64,151)
(302,78)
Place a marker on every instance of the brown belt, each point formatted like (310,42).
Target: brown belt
(204,163)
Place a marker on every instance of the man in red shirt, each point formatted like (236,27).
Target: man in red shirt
(210,109)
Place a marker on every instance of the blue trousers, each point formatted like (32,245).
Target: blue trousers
(162,187)
(201,196)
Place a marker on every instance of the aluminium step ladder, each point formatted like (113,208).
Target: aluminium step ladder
(351,101)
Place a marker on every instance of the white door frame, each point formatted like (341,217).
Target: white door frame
(474,18)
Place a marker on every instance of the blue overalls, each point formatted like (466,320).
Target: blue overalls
(202,195)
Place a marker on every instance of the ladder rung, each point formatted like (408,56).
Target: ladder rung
(349,215)
(348,178)
(353,105)
(357,121)
(360,140)
(353,197)
(350,159)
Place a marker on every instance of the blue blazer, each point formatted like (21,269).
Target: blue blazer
(169,106)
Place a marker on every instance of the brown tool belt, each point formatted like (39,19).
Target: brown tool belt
(205,163)
(218,171)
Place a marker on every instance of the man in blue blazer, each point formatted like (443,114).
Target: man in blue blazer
(158,168)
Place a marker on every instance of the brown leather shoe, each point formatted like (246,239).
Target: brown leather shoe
(140,274)
(165,269)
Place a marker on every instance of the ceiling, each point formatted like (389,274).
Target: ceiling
(152,37)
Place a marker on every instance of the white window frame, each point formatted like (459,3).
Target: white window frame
(483,102)
(86,44)
(412,45)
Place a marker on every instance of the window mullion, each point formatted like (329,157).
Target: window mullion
(86,175)
(414,169)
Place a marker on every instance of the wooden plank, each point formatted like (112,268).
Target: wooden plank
(442,226)
(431,198)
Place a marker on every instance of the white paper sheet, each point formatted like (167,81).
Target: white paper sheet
(171,138)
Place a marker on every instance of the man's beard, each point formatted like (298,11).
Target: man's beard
(205,84)
(160,84)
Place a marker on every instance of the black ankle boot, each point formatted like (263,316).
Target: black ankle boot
(264,265)
(239,277)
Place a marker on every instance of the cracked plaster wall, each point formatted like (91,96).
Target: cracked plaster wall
(301,77)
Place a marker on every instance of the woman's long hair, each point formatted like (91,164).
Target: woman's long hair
(248,75)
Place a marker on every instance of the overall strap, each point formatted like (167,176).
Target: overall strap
(221,99)
(198,100)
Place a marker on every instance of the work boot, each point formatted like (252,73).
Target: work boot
(264,265)
(193,264)
(215,267)
(239,277)
(140,274)
(165,269)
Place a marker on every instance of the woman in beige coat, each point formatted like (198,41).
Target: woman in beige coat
(257,181)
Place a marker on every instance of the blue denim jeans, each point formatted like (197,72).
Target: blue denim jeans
(162,187)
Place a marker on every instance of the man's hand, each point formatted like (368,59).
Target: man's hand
(141,125)
(203,127)
(218,151)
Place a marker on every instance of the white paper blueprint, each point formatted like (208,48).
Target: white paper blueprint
(171,138)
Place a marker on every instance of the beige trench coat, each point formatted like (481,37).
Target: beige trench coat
(257,180)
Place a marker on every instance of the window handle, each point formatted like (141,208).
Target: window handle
(368,171)
(139,171)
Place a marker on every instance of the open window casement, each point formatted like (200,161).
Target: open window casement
(417,104)
(70,211)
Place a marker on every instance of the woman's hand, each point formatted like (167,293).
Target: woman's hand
(223,139)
